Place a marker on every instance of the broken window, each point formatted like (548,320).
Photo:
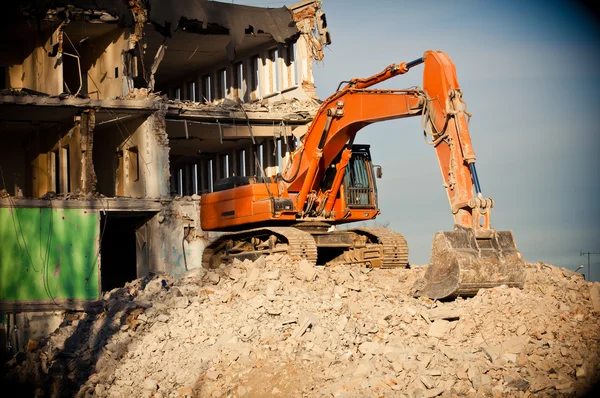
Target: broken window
(253,78)
(273,70)
(206,92)
(221,83)
(238,80)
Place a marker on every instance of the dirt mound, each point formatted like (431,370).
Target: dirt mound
(281,328)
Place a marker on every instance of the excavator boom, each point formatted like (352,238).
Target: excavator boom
(315,188)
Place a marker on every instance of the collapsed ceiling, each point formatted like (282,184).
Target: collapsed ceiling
(195,33)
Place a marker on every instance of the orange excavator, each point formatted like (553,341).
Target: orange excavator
(330,180)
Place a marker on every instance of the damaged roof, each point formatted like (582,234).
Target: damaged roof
(237,19)
(167,16)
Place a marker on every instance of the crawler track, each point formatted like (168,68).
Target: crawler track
(395,248)
(292,241)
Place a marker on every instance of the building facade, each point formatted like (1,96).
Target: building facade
(116,116)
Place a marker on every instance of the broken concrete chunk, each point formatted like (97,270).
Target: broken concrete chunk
(438,329)
(304,323)
(213,277)
(392,354)
(150,385)
(427,382)
(306,271)
(363,368)
(253,275)
(186,392)
(212,375)
(271,275)
(443,313)
(369,348)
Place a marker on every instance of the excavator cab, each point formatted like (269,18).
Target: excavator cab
(359,180)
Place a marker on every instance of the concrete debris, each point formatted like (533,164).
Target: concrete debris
(285,328)
(291,105)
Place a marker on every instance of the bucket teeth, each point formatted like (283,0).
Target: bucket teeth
(464,261)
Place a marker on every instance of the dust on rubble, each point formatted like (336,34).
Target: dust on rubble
(275,327)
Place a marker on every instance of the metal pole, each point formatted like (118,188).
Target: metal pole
(588,256)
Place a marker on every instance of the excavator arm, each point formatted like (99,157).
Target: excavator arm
(356,105)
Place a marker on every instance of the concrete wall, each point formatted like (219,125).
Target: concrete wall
(132,158)
(101,80)
(48,254)
(169,251)
(38,71)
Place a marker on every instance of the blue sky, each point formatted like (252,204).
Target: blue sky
(529,74)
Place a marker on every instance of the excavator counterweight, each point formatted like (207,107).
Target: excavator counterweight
(329,180)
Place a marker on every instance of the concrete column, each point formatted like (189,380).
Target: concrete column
(87,122)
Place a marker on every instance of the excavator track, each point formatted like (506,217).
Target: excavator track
(295,243)
(385,249)
(395,248)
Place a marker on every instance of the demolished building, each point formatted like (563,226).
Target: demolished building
(115,117)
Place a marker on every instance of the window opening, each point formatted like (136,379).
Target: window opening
(206,92)
(221,83)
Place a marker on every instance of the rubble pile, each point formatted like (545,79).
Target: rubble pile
(143,94)
(276,327)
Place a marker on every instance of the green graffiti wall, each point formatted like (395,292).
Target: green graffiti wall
(48,254)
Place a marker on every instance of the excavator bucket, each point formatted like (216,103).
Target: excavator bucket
(464,261)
